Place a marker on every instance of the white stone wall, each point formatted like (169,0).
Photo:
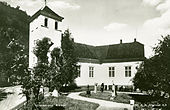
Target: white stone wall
(38,31)
(101,73)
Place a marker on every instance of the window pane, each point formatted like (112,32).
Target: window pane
(56,25)
(129,73)
(46,22)
(125,73)
(113,74)
(109,73)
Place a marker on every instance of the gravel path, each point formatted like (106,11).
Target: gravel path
(13,99)
(104,105)
(16,98)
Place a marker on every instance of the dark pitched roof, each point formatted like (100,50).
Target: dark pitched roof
(46,11)
(110,53)
(85,51)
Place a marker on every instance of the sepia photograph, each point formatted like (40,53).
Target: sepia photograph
(84,54)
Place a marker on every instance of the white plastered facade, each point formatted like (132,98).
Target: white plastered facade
(38,31)
(101,73)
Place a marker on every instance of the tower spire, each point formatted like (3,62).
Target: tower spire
(45,2)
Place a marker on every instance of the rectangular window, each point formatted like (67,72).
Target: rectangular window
(56,25)
(91,71)
(128,71)
(79,71)
(45,22)
(111,71)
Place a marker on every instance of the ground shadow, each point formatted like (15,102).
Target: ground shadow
(4,94)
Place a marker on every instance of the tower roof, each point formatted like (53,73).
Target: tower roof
(46,11)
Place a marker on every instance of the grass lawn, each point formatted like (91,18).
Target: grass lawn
(120,98)
(70,104)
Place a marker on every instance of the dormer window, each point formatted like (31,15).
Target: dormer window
(45,22)
(56,25)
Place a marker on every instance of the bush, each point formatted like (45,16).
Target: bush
(57,108)
(69,88)
(125,88)
(4,84)
(72,86)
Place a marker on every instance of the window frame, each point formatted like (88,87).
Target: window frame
(91,71)
(128,71)
(111,71)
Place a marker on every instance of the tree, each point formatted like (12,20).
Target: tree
(69,67)
(60,71)
(13,56)
(19,62)
(154,74)
(27,85)
(40,71)
(146,76)
(14,59)
(17,19)
(55,80)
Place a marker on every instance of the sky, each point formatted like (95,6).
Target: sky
(104,22)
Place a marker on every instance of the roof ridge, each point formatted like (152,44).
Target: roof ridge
(120,44)
(85,44)
(109,44)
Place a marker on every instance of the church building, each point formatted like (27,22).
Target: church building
(106,64)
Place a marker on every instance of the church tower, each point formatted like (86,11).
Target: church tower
(44,23)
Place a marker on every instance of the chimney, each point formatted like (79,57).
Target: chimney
(134,39)
(120,41)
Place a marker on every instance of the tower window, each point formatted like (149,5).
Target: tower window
(56,25)
(45,22)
